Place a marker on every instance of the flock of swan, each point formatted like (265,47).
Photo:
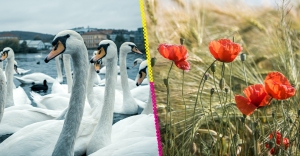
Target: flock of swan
(77,117)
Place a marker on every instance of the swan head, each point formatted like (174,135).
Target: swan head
(136,61)
(143,70)
(97,64)
(7,53)
(128,47)
(16,67)
(67,41)
(107,49)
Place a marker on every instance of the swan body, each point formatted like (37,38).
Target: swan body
(22,71)
(103,70)
(141,93)
(142,146)
(131,83)
(20,97)
(58,101)
(38,78)
(14,120)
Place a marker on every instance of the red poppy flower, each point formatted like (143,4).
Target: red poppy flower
(285,143)
(256,97)
(224,50)
(176,53)
(278,86)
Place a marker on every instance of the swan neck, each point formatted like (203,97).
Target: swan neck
(148,108)
(58,67)
(102,133)
(129,104)
(66,140)
(90,84)
(9,72)
(2,93)
(67,66)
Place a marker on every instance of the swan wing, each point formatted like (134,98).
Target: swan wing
(20,97)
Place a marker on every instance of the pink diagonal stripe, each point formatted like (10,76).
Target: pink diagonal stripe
(156,118)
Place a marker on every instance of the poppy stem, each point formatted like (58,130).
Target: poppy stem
(216,87)
(168,103)
(230,81)
(193,128)
(184,107)
(245,73)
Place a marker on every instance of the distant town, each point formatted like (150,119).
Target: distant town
(31,42)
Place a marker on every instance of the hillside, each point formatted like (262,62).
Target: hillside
(25,35)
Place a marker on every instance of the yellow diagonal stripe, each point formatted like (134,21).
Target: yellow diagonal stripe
(146,40)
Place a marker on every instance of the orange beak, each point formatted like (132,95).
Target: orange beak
(99,55)
(56,50)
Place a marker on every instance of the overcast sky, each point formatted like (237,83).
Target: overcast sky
(53,16)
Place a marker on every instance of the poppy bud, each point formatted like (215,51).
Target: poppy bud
(226,90)
(243,56)
(213,67)
(212,91)
(182,41)
(206,76)
(236,138)
(193,148)
(243,118)
(166,82)
(270,144)
(153,61)
(222,83)
(168,109)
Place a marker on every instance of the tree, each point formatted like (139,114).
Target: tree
(119,40)
(12,43)
(23,47)
(37,38)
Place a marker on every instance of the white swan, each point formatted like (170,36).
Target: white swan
(14,120)
(42,139)
(129,105)
(2,92)
(138,61)
(134,135)
(15,96)
(20,70)
(38,78)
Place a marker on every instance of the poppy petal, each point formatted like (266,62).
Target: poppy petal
(257,95)
(224,50)
(184,65)
(278,86)
(214,48)
(244,105)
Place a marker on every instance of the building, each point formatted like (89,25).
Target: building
(139,37)
(127,35)
(38,44)
(92,38)
(48,45)
(82,30)
(7,35)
